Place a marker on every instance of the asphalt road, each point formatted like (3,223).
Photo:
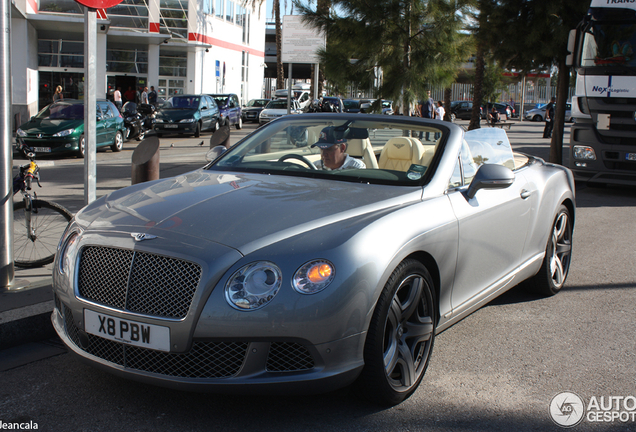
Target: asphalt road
(496,370)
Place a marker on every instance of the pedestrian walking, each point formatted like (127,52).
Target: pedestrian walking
(549,119)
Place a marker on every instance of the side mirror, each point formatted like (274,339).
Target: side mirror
(214,153)
(490,176)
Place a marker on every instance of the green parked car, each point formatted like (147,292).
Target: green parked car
(59,128)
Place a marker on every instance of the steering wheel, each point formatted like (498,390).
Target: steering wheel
(300,158)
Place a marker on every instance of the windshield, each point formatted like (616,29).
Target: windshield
(257,103)
(609,44)
(182,102)
(277,104)
(351,104)
(343,147)
(62,111)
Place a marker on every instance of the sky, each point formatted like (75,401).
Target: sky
(270,6)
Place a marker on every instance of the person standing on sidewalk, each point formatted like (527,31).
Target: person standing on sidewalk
(549,118)
(144,96)
(152,96)
(117,98)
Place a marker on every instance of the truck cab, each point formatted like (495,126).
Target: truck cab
(603,51)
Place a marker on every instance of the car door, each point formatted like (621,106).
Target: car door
(109,125)
(236,109)
(204,109)
(492,230)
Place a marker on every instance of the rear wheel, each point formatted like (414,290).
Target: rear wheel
(453,117)
(48,222)
(401,335)
(118,143)
(556,264)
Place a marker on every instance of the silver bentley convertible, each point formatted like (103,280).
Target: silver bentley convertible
(320,251)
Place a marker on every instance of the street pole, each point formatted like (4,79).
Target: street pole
(289,87)
(90,104)
(7,271)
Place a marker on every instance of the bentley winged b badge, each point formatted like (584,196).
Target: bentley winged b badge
(142,236)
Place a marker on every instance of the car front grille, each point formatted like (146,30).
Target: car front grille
(137,281)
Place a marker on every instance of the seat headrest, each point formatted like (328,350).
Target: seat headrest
(399,148)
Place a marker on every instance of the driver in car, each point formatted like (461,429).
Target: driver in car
(333,156)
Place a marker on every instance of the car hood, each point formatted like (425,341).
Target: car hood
(239,210)
(50,126)
(175,114)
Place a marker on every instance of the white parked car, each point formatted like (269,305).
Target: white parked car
(277,108)
(538,114)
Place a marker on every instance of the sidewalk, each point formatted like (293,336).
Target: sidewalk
(25,309)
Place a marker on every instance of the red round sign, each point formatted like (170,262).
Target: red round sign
(99,4)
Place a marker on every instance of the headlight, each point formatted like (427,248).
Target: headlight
(188,120)
(130,119)
(21,133)
(314,276)
(68,251)
(63,133)
(253,286)
(158,120)
(584,153)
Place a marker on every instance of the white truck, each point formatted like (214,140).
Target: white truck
(603,51)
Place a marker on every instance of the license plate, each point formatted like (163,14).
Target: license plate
(42,149)
(169,126)
(630,156)
(127,331)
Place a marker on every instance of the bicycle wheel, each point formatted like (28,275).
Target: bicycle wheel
(48,222)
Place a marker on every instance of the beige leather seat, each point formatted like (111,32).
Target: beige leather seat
(362,149)
(400,153)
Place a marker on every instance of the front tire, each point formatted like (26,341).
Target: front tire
(537,118)
(48,222)
(556,264)
(118,143)
(197,131)
(400,337)
(81,151)
(239,124)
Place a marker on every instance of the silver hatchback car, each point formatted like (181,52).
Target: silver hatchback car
(348,243)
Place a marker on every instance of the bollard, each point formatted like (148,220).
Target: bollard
(145,161)
(221,137)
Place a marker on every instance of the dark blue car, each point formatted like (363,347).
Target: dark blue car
(230,109)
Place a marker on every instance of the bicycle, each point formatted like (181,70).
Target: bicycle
(38,224)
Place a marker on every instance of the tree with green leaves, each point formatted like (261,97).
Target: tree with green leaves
(532,35)
(413,44)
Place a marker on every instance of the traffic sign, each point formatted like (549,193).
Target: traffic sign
(99,4)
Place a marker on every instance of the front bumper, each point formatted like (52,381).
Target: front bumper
(49,145)
(252,366)
(177,128)
(614,163)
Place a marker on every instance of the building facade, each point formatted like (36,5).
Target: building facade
(177,46)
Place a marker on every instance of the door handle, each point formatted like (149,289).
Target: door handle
(525,194)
